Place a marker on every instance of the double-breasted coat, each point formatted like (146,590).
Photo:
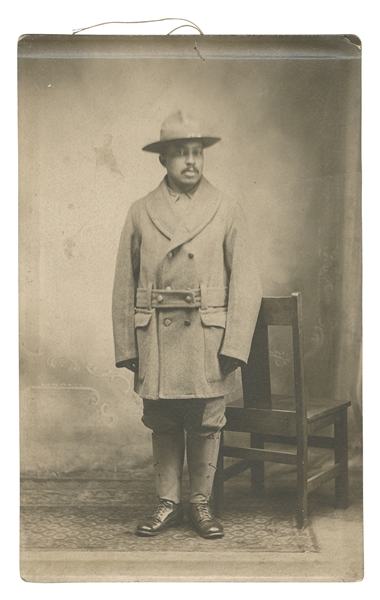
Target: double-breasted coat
(185,291)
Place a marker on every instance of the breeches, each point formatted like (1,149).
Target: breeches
(202,419)
(200,416)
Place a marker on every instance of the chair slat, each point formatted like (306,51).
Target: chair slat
(320,478)
(314,441)
(259,454)
(323,422)
(236,469)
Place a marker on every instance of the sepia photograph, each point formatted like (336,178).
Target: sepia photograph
(190,292)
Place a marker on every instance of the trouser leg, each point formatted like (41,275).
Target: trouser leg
(203,438)
(168,444)
(168,457)
(203,422)
(202,456)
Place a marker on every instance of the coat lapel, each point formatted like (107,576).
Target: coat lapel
(206,203)
(161,212)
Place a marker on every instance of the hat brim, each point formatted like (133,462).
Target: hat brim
(158,147)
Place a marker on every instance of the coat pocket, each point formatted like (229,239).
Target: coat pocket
(214,325)
(144,343)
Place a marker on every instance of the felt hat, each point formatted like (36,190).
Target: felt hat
(177,127)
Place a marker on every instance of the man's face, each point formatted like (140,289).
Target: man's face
(184,164)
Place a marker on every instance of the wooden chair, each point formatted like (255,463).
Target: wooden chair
(282,419)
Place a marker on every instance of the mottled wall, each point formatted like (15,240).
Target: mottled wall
(290,126)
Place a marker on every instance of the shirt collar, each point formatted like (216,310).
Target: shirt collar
(176,195)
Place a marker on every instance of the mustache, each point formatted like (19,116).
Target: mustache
(190,170)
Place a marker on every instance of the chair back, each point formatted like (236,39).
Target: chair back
(256,377)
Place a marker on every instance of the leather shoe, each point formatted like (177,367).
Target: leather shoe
(203,521)
(167,514)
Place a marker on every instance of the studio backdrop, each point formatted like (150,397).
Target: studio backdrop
(287,110)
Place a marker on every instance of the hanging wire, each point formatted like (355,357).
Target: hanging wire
(189,24)
(180,26)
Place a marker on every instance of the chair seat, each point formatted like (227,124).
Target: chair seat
(280,420)
(317,408)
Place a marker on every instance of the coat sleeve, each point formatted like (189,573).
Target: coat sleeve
(124,292)
(245,293)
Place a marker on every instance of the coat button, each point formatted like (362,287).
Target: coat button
(187,323)
(188,299)
(159,298)
(170,254)
(167,322)
(190,255)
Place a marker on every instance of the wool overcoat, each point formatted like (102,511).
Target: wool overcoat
(202,269)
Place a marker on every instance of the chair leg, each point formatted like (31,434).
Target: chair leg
(302,516)
(218,489)
(302,474)
(258,468)
(341,457)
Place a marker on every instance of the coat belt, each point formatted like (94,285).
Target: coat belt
(203,297)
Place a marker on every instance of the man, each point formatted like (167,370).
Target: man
(185,303)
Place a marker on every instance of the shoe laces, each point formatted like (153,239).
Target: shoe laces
(162,509)
(204,512)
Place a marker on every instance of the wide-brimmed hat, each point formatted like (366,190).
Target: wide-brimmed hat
(178,127)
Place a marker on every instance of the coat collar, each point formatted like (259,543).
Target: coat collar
(206,202)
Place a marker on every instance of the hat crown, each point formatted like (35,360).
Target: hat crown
(180,125)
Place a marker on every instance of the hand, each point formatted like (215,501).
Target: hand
(228,364)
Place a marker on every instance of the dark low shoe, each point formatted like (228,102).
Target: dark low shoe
(167,514)
(203,521)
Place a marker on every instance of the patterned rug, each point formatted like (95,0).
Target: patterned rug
(101,515)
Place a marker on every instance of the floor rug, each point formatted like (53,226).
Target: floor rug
(101,515)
